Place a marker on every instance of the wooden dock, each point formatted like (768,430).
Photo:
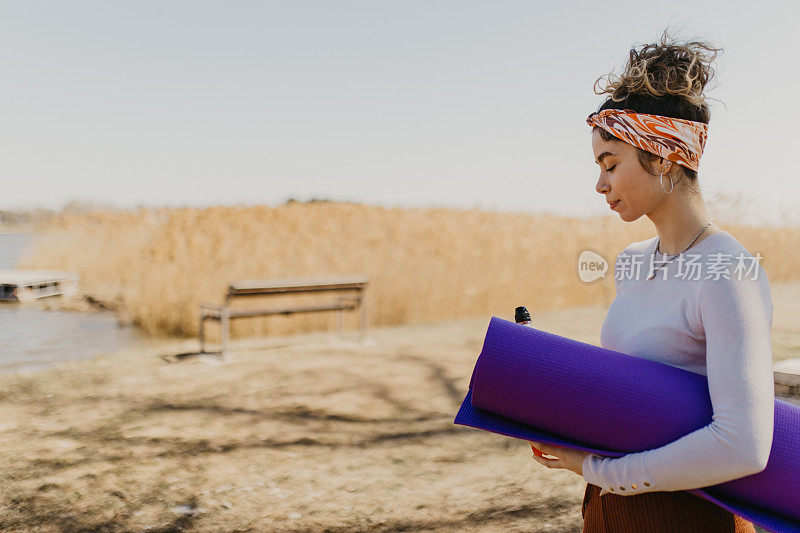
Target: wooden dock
(24,285)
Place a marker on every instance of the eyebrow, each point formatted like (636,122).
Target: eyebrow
(601,157)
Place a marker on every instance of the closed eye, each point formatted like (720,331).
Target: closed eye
(609,169)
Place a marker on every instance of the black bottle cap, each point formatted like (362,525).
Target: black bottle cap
(521,314)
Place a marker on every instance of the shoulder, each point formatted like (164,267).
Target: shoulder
(733,277)
(727,251)
(728,243)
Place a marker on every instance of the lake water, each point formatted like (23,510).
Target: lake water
(32,339)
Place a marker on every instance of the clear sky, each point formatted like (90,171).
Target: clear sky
(409,103)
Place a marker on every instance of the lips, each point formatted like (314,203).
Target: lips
(612,205)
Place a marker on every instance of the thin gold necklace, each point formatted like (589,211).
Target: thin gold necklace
(652,273)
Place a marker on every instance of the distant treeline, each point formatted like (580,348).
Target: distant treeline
(41,216)
(25,218)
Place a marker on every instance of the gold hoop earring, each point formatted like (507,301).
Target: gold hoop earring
(661,182)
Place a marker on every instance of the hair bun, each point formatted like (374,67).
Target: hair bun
(664,68)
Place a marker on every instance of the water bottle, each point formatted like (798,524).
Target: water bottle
(522,316)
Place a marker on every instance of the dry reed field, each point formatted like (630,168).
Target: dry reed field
(155,266)
(300,430)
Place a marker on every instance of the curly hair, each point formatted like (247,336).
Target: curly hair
(665,78)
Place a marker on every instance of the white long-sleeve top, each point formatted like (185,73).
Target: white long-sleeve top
(713,319)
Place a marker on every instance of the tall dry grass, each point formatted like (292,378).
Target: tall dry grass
(425,264)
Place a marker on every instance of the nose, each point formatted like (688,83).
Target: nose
(602,185)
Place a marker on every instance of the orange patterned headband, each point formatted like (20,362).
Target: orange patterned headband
(677,140)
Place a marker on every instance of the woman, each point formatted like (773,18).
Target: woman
(647,138)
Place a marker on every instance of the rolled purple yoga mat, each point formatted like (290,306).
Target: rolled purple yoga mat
(539,386)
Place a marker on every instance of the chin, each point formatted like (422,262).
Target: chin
(627,218)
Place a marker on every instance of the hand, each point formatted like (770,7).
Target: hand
(564,457)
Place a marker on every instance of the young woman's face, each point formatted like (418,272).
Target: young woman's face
(623,180)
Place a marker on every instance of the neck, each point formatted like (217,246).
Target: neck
(678,218)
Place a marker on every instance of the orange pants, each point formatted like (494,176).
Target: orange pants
(657,512)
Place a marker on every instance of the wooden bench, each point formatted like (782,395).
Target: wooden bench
(356,284)
(787,377)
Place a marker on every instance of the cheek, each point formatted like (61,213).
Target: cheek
(633,189)
(634,185)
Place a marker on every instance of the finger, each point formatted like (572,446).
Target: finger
(537,452)
(541,460)
(540,449)
(548,449)
(549,463)
(543,454)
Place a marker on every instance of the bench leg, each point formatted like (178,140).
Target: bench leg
(202,332)
(225,330)
(338,313)
(363,319)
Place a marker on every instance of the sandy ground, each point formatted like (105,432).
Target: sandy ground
(301,433)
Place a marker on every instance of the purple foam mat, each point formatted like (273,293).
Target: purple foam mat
(539,386)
